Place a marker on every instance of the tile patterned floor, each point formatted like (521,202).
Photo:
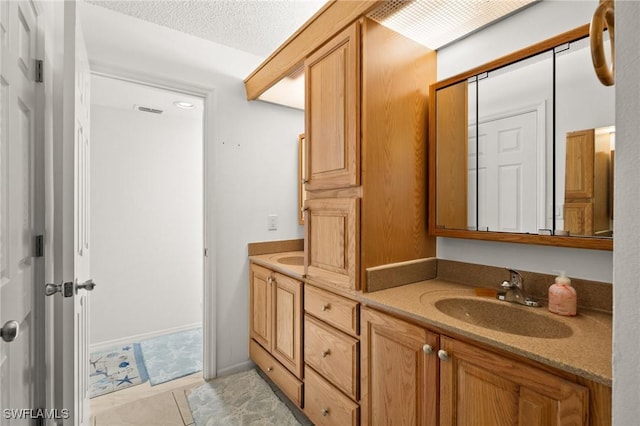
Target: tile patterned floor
(239,399)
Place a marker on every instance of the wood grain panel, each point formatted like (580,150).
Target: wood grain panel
(260,312)
(396,73)
(333,354)
(287,382)
(325,405)
(528,390)
(332,243)
(332,112)
(452,157)
(399,380)
(287,330)
(599,403)
(536,409)
(484,398)
(335,310)
(579,164)
(331,19)
(578,218)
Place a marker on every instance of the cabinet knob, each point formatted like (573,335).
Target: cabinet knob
(326,307)
(443,355)
(269,369)
(427,349)
(325,412)
(325,353)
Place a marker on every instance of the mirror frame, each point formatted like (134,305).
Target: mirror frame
(596,243)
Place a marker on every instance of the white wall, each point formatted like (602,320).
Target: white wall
(146,222)
(251,157)
(538,22)
(626,291)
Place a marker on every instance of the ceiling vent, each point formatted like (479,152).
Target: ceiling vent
(147,109)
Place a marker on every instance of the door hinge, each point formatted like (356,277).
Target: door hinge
(39,71)
(206,252)
(39,246)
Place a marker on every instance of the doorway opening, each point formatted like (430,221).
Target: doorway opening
(147,231)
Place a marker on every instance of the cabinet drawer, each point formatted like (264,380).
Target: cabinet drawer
(336,310)
(325,405)
(286,381)
(333,354)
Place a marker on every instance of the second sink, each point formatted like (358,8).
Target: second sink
(500,316)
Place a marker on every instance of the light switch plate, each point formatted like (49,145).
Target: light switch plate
(272,221)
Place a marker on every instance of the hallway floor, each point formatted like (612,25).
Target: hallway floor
(162,405)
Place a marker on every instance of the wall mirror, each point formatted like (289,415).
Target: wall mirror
(522,149)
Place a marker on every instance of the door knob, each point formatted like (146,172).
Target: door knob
(51,289)
(68,289)
(65,288)
(87,285)
(9,331)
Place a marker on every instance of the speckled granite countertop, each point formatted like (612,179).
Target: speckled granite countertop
(585,353)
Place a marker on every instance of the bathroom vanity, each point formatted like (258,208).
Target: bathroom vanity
(511,364)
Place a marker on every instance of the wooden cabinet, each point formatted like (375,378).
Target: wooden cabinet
(325,405)
(365,135)
(587,202)
(476,386)
(332,106)
(481,387)
(332,358)
(399,373)
(332,243)
(275,319)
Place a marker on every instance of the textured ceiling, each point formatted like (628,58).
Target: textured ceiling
(254,26)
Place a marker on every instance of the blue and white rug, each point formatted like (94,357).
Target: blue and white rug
(172,356)
(117,368)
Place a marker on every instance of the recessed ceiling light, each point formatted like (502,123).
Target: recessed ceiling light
(184,105)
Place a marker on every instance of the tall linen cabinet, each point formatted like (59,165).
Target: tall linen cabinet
(366,145)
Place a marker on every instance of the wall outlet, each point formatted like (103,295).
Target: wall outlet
(272,222)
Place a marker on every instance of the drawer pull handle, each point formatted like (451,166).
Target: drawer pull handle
(325,353)
(443,355)
(269,369)
(427,349)
(325,412)
(326,307)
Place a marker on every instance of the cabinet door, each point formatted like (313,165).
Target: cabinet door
(287,331)
(332,80)
(332,242)
(478,387)
(399,374)
(579,165)
(260,294)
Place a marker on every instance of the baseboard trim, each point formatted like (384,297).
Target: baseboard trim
(243,366)
(96,347)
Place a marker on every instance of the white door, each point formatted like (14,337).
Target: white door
(18,31)
(507,174)
(73,208)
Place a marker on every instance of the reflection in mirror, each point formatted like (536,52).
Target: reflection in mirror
(584,145)
(451,155)
(524,145)
(514,113)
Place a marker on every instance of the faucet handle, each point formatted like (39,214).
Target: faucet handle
(515,276)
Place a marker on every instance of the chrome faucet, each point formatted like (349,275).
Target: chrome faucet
(514,290)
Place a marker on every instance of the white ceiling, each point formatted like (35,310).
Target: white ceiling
(254,26)
(121,94)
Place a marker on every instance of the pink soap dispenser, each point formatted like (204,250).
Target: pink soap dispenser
(563,299)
